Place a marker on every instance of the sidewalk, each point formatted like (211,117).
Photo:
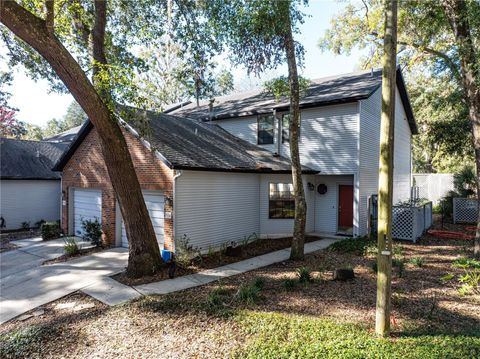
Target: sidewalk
(111,292)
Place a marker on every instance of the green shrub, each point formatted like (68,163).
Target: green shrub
(39,223)
(304,275)
(184,251)
(259,282)
(92,231)
(50,230)
(25,226)
(352,245)
(249,294)
(466,263)
(71,247)
(470,278)
(216,296)
(290,284)
(417,261)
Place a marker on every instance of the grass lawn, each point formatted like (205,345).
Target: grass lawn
(269,313)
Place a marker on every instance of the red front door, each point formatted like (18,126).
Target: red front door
(345,208)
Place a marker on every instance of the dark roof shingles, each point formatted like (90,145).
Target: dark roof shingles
(19,159)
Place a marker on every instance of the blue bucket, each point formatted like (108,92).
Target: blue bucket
(166,255)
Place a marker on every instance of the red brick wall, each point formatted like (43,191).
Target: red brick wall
(86,169)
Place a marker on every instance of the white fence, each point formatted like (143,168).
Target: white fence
(465,210)
(409,221)
(433,186)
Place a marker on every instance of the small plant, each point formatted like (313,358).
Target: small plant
(466,263)
(399,263)
(470,278)
(304,275)
(290,284)
(417,261)
(352,245)
(250,293)
(447,277)
(216,296)
(184,251)
(50,230)
(71,247)
(92,231)
(259,282)
(25,225)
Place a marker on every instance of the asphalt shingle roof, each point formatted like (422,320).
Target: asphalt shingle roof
(22,159)
(191,144)
(66,136)
(327,90)
(324,91)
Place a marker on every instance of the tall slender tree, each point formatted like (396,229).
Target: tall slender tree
(457,14)
(385,179)
(259,35)
(96,100)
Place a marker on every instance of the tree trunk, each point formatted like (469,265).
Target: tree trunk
(298,240)
(385,178)
(144,254)
(457,15)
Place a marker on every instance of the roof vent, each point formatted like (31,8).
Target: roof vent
(275,154)
(37,154)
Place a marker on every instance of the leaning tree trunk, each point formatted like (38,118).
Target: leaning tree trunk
(385,178)
(457,15)
(298,239)
(144,254)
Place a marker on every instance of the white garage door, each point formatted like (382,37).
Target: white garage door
(87,205)
(154,201)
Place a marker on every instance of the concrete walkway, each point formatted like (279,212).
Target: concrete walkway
(31,287)
(26,284)
(111,292)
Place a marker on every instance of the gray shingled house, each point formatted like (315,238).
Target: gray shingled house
(220,172)
(29,189)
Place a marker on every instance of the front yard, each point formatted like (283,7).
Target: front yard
(271,313)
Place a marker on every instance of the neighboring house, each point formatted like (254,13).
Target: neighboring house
(29,190)
(339,137)
(197,180)
(223,173)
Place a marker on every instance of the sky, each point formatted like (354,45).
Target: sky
(37,106)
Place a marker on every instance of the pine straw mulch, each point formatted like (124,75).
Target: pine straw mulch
(214,260)
(182,325)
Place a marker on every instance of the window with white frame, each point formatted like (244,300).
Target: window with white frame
(281,201)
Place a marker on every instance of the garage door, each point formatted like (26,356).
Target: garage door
(87,205)
(154,201)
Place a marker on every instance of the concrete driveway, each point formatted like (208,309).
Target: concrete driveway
(26,284)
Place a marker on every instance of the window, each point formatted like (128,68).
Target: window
(286,128)
(281,201)
(265,132)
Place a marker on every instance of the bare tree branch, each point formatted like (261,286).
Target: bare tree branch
(49,16)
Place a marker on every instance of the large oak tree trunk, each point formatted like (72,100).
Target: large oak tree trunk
(457,15)
(298,239)
(385,178)
(144,254)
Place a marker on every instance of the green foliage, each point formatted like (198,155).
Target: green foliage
(71,247)
(217,296)
(25,225)
(50,230)
(304,275)
(184,251)
(290,284)
(280,88)
(465,263)
(399,264)
(250,293)
(17,344)
(92,231)
(278,335)
(417,261)
(464,181)
(470,278)
(352,245)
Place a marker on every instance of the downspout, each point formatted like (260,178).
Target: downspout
(178,173)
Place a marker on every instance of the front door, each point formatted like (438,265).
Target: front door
(345,209)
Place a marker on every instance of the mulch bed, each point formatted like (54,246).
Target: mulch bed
(180,325)
(217,259)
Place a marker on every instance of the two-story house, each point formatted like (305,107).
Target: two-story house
(220,171)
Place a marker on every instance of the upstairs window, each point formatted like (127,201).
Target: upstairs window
(281,201)
(265,130)
(286,128)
